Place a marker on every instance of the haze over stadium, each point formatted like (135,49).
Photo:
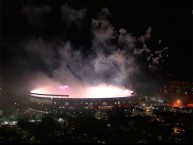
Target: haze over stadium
(85,46)
(110,65)
(100,91)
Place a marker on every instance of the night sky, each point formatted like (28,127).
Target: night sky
(32,33)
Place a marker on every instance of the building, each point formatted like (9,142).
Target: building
(49,103)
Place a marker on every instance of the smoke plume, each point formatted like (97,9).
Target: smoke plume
(111,60)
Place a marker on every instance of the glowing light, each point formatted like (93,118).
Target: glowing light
(40,91)
(104,91)
(63,87)
(178,103)
(99,91)
(62,90)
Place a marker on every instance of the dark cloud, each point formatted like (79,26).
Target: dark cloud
(40,49)
(34,14)
(72,16)
(104,14)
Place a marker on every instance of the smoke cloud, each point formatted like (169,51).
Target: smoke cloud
(35,14)
(72,16)
(111,61)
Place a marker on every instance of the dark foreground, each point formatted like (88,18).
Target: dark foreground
(114,126)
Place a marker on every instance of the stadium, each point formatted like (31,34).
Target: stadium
(56,103)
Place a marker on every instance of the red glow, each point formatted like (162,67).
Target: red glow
(178,103)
